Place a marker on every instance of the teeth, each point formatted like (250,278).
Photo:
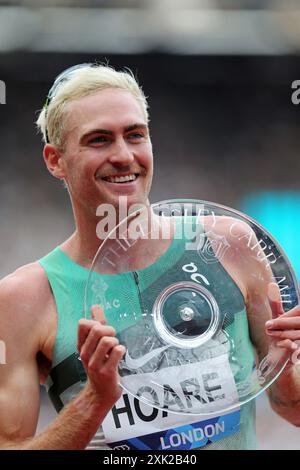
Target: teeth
(120,179)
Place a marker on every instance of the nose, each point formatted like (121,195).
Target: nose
(121,154)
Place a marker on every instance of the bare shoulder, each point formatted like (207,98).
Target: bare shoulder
(28,284)
(237,233)
(237,247)
(26,305)
(24,328)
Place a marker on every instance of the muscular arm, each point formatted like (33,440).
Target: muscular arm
(71,430)
(284,394)
(247,265)
(263,301)
(264,304)
(21,324)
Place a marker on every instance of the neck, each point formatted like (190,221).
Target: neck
(81,249)
(83,245)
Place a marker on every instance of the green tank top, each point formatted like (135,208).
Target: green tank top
(68,282)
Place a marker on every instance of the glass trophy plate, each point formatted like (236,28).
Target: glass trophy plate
(188,285)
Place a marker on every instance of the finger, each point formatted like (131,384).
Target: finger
(114,358)
(284,323)
(287,344)
(294,312)
(84,328)
(94,337)
(101,353)
(285,334)
(275,300)
(98,314)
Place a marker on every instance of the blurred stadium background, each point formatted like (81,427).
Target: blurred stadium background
(218,74)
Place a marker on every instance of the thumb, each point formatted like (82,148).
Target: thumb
(275,300)
(98,314)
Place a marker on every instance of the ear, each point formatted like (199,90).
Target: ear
(54,161)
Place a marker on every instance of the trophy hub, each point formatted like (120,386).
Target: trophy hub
(186,315)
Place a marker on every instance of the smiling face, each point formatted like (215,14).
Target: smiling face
(108,151)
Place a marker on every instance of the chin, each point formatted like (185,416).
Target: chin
(131,199)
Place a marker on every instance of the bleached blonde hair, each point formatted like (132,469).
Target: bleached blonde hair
(83,81)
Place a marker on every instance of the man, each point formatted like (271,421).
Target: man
(95,127)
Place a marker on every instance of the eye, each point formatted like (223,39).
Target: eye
(99,139)
(136,136)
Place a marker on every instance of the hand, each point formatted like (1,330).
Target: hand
(100,354)
(285,326)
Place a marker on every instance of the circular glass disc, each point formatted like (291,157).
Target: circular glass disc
(188,286)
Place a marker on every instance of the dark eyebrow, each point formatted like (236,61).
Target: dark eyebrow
(95,131)
(136,126)
(132,127)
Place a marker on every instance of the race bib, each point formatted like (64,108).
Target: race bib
(134,424)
